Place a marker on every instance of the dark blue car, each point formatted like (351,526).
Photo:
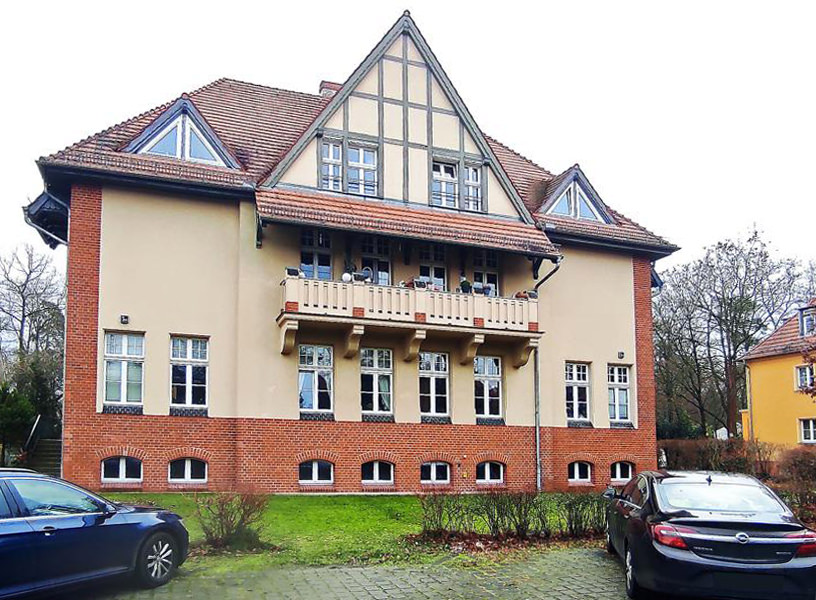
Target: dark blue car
(714,535)
(54,534)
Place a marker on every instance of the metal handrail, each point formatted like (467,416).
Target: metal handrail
(29,442)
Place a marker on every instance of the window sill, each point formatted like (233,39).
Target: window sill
(491,484)
(580,484)
(316,416)
(111,408)
(121,485)
(370,486)
(182,485)
(622,425)
(490,421)
(580,424)
(435,420)
(377,418)
(315,487)
(188,411)
(436,485)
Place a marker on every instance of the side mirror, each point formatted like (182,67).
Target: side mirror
(610,493)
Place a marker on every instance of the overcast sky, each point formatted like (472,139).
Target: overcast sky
(696,119)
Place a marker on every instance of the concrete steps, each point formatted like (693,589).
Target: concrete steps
(46,457)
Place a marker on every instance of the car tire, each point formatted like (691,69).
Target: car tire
(157,560)
(633,590)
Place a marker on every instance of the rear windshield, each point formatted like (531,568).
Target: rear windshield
(716,497)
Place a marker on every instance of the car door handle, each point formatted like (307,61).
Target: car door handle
(48,530)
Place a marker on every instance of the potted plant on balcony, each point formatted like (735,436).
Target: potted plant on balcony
(465,286)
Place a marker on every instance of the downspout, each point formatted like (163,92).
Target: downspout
(537,381)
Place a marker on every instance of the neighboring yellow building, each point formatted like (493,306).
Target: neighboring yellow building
(778,412)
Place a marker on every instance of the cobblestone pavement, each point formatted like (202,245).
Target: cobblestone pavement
(556,575)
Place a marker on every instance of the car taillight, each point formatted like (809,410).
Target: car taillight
(670,535)
(808,546)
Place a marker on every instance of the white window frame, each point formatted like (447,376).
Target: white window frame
(808,371)
(574,379)
(185,126)
(573,193)
(433,374)
(473,199)
(445,200)
(122,478)
(616,469)
(619,384)
(188,362)
(124,358)
(328,182)
(574,473)
(485,277)
(807,432)
(377,250)
(808,322)
(377,480)
(487,479)
(188,470)
(363,169)
(314,480)
(189,128)
(378,371)
(315,249)
(434,480)
(314,370)
(485,379)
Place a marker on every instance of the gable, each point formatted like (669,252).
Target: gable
(181,132)
(571,196)
(401,104)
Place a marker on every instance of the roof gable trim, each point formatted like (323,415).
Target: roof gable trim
(574,175)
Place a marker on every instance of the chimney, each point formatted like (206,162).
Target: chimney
(329,88)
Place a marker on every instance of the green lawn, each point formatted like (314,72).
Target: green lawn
(314,530)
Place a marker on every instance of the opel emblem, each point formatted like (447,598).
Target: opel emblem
(743,538)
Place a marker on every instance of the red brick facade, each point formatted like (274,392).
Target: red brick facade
(263,454)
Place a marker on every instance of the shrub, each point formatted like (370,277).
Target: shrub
(521,512)
(733,455)
(582,514)
(798,469)
(231,520)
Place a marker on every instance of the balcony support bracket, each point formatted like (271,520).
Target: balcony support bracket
(288,333)
(410,348)
(353,338)
(469,347)
(522,352)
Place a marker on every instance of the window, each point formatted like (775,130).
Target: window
(432,253)
(121,468)
(433,383)
(445,186)
(485,271)
(5,510)
(124,363)
(315,378)
(377,471)
(434,472)
(808,323)
(573,203)
(808,430)
(187,470)
(434,276)
(621,471)
(332,166)
(487,386)
(376,372)
(473,189)
(315,254)
(44,498)
(579,472)
(577,390)
(804,377)
(489,281)
(362,171)
(376,251)
(188,366)
(618,379)
(489,472)
(316,471)
(184,140)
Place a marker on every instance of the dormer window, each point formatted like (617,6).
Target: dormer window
(809,322)
(445,191)
(574,203)
(182,139)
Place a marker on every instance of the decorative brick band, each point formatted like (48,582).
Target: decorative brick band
(576,424)
(123,409)
(620,425)
(532,326)
(291,307)
(375,418)
(478,321)
(419,317)
(436,420)
(489,421)
(316,416)
(358,312)
(188,411)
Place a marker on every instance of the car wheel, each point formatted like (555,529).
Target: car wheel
(633,590)
(157,560)
(610,548)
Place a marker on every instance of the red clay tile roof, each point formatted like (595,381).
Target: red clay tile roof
(785,340)
(259,124)
(341,212)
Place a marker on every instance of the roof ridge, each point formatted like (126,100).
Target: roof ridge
(269,87)
(519,154)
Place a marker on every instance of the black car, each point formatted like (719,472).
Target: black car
(714,535)
(54,534)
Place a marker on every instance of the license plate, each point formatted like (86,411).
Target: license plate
(748,581)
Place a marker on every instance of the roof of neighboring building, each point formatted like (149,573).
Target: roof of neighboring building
(786,339)
(434,225)
(259,124)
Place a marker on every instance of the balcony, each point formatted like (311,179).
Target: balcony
(412,314)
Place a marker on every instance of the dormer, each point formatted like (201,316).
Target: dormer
(807,321)
(571,196)
(181,132)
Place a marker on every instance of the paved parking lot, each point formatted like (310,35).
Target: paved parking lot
(555,575)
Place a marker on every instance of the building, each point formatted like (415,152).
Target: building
(355,290)
(778,411)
